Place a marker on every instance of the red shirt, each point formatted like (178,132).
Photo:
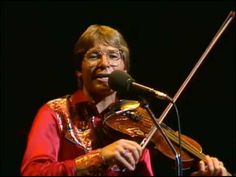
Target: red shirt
(59,135)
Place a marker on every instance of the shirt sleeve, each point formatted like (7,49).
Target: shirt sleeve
(43,146)
(41,154)
(144,167)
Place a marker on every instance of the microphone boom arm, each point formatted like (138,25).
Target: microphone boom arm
(156,93)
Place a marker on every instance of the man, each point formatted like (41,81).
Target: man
(66,136)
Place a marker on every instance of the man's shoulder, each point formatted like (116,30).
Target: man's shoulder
(58,103)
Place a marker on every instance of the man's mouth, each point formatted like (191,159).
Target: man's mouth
(101,77)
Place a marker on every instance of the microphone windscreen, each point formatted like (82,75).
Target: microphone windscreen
(120,81)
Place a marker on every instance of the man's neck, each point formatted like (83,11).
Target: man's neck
(107,101)
(103,102)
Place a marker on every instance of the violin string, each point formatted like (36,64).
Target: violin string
(189,147)
(171,134)
(186,145)
(175,138)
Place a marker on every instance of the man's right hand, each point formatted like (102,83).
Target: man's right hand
(125,152)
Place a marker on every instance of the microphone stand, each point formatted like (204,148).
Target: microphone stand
(158,121)
(177,155)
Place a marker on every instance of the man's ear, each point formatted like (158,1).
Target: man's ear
(78,74)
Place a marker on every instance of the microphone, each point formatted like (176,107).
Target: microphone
(122,82)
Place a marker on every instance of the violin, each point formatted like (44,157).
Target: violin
(128,119)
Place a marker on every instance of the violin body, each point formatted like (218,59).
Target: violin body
(125,120)
(128,119)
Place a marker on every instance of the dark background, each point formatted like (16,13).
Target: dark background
(166,40)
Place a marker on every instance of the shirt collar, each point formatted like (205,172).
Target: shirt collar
(82,104)
(78,97)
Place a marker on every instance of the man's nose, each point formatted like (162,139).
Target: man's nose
(104,61)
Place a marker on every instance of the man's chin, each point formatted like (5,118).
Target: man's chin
(102,90)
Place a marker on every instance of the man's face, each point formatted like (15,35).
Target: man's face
(100,60)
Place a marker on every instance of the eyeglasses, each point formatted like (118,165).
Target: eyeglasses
(113,56)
